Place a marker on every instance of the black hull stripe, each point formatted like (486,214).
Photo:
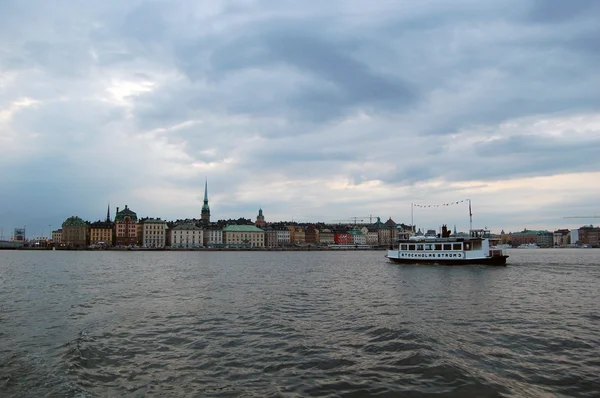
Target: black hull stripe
(499,260)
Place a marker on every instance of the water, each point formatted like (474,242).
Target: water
(232,324)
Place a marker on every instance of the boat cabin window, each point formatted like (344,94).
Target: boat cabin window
(428,246)
(438,247)
(411,247)
(456,246)
(467,246)
(476,245)
(419,246)
(403,247)
(447,246)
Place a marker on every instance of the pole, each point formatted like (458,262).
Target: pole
(412,219)
(470,216)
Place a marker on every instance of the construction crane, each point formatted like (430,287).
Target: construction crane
(355,220)
(594,216)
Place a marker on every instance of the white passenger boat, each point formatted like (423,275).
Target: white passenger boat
(448,250)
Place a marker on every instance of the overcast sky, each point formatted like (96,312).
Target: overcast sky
(314,111)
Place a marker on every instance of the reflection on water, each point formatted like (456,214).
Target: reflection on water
(297,324)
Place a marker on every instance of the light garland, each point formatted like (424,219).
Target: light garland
(442,204)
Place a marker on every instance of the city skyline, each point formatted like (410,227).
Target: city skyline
(312,112)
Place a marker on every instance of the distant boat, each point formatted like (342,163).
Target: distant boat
(528,246)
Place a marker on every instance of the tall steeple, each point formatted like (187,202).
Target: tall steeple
(205,214)
(108,213)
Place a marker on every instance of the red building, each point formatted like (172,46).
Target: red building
(342,238)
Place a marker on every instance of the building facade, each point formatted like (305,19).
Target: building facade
(243,236)
(357,237)
(541,238)
(342,238)
(186,236)
(561,238)
(589,235)
(75,232)
(213,236)
(154,232)
(311,235)
(372,236)
(326,237)
(57,236)
(101,233)
(299,235)
(126,227)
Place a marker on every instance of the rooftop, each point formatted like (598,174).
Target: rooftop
(242,228)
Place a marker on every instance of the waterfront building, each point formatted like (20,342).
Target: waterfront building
(186,235)
(277,236)
(311,235)
(243,236)
(589,235)
(205,213)
(541,238)
(575,236)
(299,235)
(101,233)
(357,237)
(326,237)
(57,236)
(282,236)
(154,232)
(342,237)
(260,219)
(213,236)
(384,233)
(75,232)
(561,238)
(270,237)
(126,227)
(292,229)
(372,237)
(392,226)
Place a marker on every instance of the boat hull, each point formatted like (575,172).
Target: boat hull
(496,260)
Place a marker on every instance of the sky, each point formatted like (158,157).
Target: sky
(312,111)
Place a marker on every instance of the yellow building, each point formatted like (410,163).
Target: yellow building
(243,236)
(101,233)
(299,236)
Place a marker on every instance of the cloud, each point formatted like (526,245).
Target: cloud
(309,110)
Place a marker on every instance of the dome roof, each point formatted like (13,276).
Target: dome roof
(124,213)
(74,221)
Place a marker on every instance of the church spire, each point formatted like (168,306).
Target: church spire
(108,213)
(206,191)
(205,214)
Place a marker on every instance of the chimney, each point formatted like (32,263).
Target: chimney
(117,209)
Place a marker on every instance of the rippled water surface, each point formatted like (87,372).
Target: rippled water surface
(297,324)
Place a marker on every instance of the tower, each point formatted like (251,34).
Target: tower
(108,213)
(260,219)
(205,214)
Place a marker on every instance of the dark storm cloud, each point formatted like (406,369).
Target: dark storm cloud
(551,11)
(340,89)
